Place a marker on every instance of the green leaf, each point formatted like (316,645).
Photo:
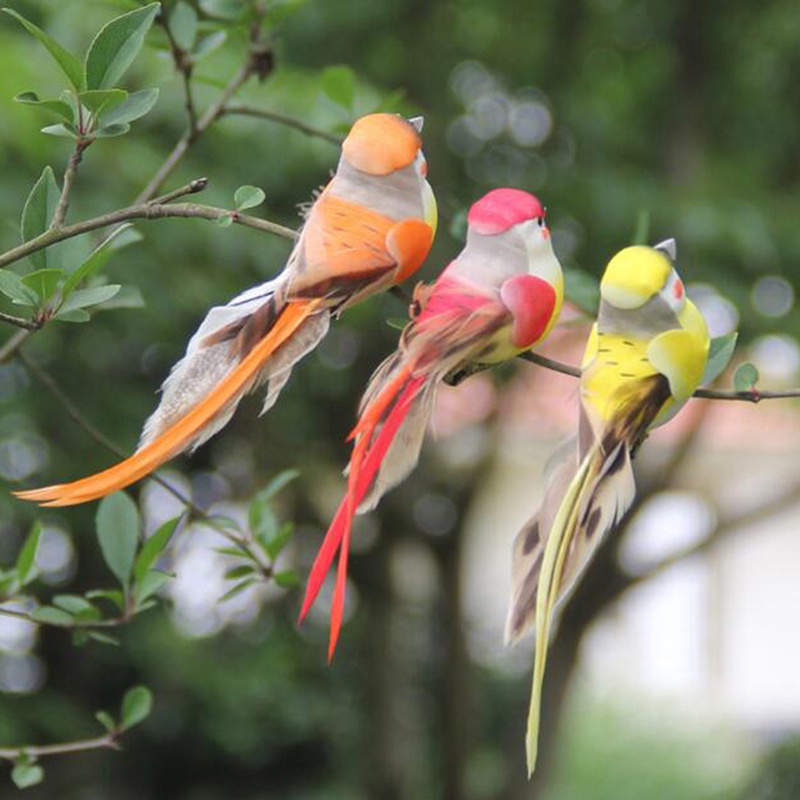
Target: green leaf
(136,106)
(153,547)
(110,131)
(26,774)
(248,197)
(583,290)
(38,211)
(239,572)
(208,45)
(98,99)
(121,237)
(225,221)
(63,129)
(745,377)
(127,297)
(281,480)
(275,546)
(116,46)
(11,286)
(149,584)
(48,615)
(75,604)
(262,520)
(44,282)
(64,110)
(106,720)
(118,534)
(240,587)
(114,596)
(76,315)
(183,24)
(720,352)
(83,298)
(224,9)
(136,706)
(70,65)
(103,638)
(26,560)
(231,551)
(287,579)
(339,84)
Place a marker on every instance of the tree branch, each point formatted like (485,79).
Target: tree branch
(71,171)
(109,622)
(105,742)
(184,65)
(281,119)
(19,322)
(750,396)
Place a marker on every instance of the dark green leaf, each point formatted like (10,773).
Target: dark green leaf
(183,24)
(116,46)
(38,211)
(63,129)
(339,84)
(96,100)
(104,638)
(231,551)
(582,290)
(281,480)
(248,197)
(239,572)
(83,298)
(70,65)
(48,615)
(118,534)
(26,560)
(64,110)
(745,377)
(11,286)
(149,584)
(209,44)
(240,587)
(136,706)
(719,355)
(44,282)
(25,774)
(106,720)
(262,520)
(121,237)
(153,547)
(287,579)
(136,106)
(275,546)
(110,131)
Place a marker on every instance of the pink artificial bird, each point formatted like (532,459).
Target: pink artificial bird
(498,298)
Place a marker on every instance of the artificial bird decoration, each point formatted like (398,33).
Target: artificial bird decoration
(368,229)
(645,356)
(498,298)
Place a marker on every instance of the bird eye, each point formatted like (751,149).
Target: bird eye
(540,221)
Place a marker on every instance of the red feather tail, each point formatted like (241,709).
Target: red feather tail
(364,466)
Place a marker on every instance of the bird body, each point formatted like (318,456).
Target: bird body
(645,356)
(369,228)
(500,296)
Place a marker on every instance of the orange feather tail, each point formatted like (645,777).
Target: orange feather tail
(177,437)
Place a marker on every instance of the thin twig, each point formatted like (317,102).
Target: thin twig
(109,622)
(105,742)
(71,171)
(749,396)
(281,119)
(19,322)
(13,344)
(184,65)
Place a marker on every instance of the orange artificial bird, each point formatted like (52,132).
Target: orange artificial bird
(501,296)
(369,228)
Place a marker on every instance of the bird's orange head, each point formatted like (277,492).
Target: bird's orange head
(379,144)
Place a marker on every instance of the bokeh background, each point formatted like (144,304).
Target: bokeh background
(674,674)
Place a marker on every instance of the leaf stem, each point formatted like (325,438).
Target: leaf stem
(106,742)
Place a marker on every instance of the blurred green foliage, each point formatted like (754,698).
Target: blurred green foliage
(614,111)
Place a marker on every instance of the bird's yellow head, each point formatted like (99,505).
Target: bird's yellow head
(380,144)
(635,275)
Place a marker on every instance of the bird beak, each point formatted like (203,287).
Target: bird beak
(417,122)
(669,247)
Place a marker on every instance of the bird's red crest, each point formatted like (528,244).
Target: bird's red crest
(501,209)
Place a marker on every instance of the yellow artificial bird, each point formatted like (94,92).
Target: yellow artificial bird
(645,356)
